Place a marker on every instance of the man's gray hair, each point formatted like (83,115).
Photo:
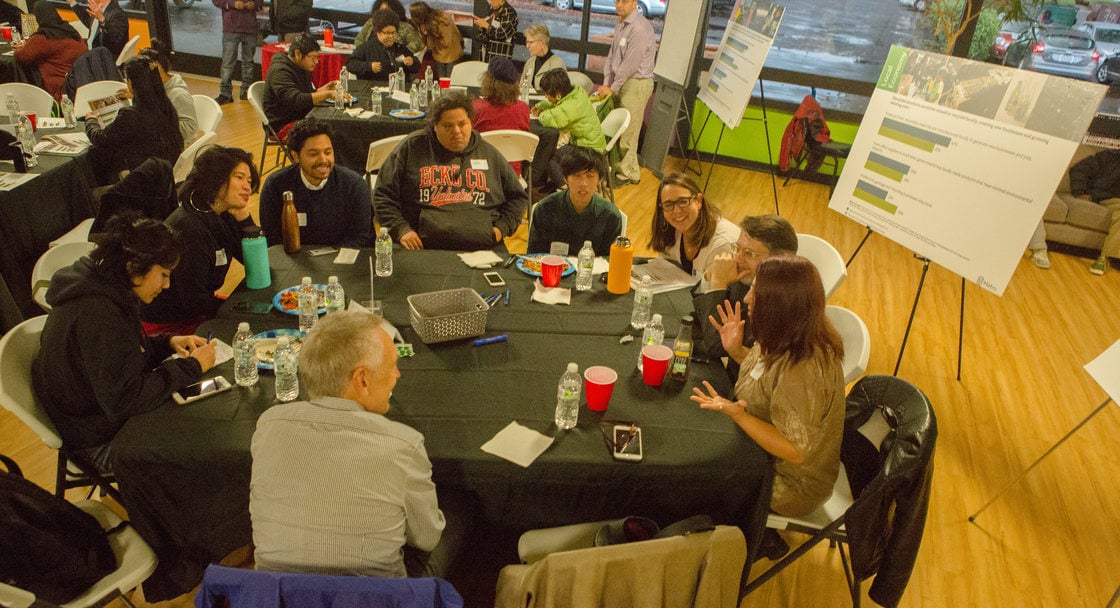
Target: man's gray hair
(334,348)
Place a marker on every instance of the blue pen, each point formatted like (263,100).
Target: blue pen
(491,340)
(507,296)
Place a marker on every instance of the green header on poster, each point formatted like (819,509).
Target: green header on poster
(892,69)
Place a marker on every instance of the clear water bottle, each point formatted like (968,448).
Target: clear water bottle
(335,296)
(584,266)
(643,300)
(425,94)
(308,305)
(682,351)
(16,36)
(344,79)
(68,111)
(567,398)
(339,96)
(525,91)
(654,333)
(428,76)
(414,98)
(287,370)
(27,140)
(13,110)
(383,249)
(375,101)
(244,356)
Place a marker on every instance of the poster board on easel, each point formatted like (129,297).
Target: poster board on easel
(730,81)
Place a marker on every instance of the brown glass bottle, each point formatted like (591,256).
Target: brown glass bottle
(289,224)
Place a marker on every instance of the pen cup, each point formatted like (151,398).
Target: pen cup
(552,266)
(655,362)
(600,384)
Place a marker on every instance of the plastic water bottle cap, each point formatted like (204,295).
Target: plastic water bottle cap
(243,326)
(573,368)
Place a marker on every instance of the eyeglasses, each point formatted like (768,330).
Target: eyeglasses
(388,33)
(684,201)
(750,253)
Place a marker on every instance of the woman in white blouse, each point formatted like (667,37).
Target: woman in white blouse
(687,229)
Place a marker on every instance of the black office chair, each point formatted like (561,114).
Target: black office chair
(815,154)
(887,455)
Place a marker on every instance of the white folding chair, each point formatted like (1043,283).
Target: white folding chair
(51,262)
(468,73)
(77,234)
(129,51)
(517,146)
(256,99)
(613,126)
(827,260)
(208,111)
(94,90)
(857,340)
(378,151)
(30,97)
(579,79)
(185,162)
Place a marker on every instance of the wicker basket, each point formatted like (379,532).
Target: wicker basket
(452,314)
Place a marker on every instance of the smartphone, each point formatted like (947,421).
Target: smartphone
(256,308)
(201,390)
(627,443)
(494,279)
(321,251)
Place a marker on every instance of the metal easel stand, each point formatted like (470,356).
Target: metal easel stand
(914,309)
(769,151)
(972,518)
(690,152)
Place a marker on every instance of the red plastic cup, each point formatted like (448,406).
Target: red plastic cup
(444,83)
(655,362)
(599,382)
(552,266)
(34,119)
(6,31)
(328,37)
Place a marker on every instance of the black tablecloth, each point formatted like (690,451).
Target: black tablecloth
(352,136)
(184,471)
(31,216)
(12,71)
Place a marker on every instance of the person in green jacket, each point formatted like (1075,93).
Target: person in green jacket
(569,110)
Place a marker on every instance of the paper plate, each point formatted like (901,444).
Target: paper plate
(532,268)
(264,344)
(278,298)
(406,114)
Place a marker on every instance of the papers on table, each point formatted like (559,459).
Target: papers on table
(517,444)
(346,255)
(480,259)
(665,275)
(51,122)
(66,144)
(9,181)
(401,96)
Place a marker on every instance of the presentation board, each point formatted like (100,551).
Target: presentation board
(730,81)
(956,160)
(682,40)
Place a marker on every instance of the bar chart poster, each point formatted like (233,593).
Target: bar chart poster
(746,42)
(957,160)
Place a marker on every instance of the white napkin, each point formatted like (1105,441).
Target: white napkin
(355,112)
(480,259)
(601,265)
(517,444)
(551,295)
(346,255)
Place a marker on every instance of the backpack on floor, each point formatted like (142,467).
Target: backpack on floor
(48,546)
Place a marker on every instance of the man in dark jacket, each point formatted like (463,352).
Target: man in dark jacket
(111,24)
(289,93)
(239,28)
(289,18)
(382,55)
(1097,179)
(444,187)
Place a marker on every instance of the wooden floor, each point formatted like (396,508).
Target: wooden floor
(1051,539)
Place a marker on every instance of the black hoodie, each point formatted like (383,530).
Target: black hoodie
(96,368)
(451,199)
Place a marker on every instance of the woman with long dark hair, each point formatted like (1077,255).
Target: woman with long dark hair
(176,90)
(51,50)
(96,368)
(790,393)
(208,225)
(687,228)
(440,35)
(149,127)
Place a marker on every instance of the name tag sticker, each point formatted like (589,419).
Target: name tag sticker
(756,371)
(622,42)
(220,258)
(480,164)
(302,219)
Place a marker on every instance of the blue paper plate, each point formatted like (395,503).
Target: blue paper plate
(295,311)
(537,256)
(272,334)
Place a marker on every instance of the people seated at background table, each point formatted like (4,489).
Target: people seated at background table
(176,90)
(541,58)
(149,127)
(729,278)
(568,109)
(441,36)
(577,214)
(445,187)
(687,228)
(789,397)
(494,32)
(95,367)
(336,487)
(289,93)
(112,23)
(406,33)
(239,31)
(382,55)
(51,50)
(333,202)
(209,223)
(500,105)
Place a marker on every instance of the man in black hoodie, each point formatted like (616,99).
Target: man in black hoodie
(444,187)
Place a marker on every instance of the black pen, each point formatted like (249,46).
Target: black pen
(209,336)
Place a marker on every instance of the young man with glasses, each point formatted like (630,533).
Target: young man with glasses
(729,279)
(382,55)
(289,93)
